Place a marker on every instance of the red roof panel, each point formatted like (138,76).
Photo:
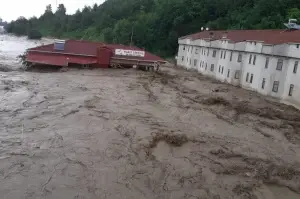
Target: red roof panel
(58,60)
(266,36)
(88,48)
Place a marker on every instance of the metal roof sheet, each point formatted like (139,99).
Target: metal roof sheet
(89,48)
(267,36)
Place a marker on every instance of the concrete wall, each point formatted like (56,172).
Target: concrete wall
(234,72)
(292,78)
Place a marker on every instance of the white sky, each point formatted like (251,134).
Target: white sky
(12,9)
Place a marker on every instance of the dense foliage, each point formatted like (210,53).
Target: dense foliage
(34,34)
(2,23)
(157,24)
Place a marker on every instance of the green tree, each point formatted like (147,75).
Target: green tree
(157,24)
(294,13)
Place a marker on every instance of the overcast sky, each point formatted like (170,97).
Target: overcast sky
(12,9)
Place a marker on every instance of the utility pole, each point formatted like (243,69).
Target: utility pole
(131,36)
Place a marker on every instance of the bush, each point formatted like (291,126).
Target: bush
(34,34)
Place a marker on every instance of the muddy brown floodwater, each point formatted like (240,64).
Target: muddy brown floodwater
(90,134)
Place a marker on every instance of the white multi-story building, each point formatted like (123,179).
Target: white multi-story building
(265,61)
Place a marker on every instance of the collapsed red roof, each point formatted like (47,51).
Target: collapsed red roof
(267,36)
(89,48)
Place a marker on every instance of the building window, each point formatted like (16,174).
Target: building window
(182,58)
(206,66)
(225,54)
(219,69)
(250,58)
(267,62)
(275,86)
(195,62)
(190,61)
(263,83)
(247,77)
(221,54)
(297,46)
(237,74)
(251,78)
(291,90)
(192,50)
(212,67)
(228,73)
(183,48)
(254,59)
(196,51)
(240,57)
(296,67)
(231,54)
(279,64)
(207,52)
(222,69)
(214,53)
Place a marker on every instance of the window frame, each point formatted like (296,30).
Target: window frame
(231,55)
(291,90)
(275,85)
(214,53)
(237,74)
(254,59)
(195,62)
(247,77)
(279,64)
(267,62)
(212,67)
(240,58)
(295,67)
(250,59)
(251,78)
(263,84)
(228,73)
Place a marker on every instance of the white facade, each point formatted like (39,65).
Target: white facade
(272,70)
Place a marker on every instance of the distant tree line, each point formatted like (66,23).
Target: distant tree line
(2,23)
(157,24)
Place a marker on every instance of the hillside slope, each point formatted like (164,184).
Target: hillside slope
(157,24)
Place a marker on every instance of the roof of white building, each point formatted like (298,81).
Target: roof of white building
(266,36)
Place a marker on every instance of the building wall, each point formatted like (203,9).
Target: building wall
(292,79)
(227,68)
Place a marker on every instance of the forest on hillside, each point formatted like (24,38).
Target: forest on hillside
(157,24)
